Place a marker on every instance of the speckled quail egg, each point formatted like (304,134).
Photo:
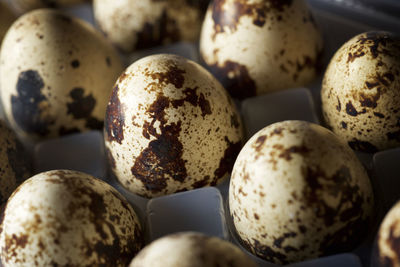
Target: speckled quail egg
(298,192)
(170,126)
(27,5)
(56,75)
(15,164)
(360,92)
(132,24)
(386,248)
(68,218)
(7,17)
(255,47)
(191,249)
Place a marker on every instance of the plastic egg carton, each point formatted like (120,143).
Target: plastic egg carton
(205,210)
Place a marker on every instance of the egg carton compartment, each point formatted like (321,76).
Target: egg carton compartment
(205,209)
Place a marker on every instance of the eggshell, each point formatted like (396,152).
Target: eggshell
(68,218)
(255,47)
(386,249)
(7,17)
(187,249)
(27,5)
(360,92)
(132,24)
(170,126)
(15,163)
(298,192)
(56,75)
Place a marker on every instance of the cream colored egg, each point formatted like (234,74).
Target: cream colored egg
(7,17)
(360,92)
(15,163)
(68,218)
(27,5)
(188,249)
(386,249)
(56,75)
(132,24)
(255,47)
(170,126)
(298,192)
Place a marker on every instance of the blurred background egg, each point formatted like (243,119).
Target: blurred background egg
(298,192)
(386,249)
(255,47)
(360,92)
(187,249)
(133,25)
(56,75)
(15,163)
(170,126)
(68,218)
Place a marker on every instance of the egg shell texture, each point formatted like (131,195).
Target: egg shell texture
(255,47)
(15,164)
(170,127)
(297,192)
(56,75)
(132,24)
(360,92)
(68,218)
(386,250)
(191,249)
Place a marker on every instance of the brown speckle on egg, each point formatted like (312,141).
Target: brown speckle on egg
(28,106)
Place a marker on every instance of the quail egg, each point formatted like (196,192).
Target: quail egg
(255,47)
(56,75)
(132,24)
(68,218)
(188,249)
(170,126)
(386,249)
(298,192)
(360,92)
(15,164)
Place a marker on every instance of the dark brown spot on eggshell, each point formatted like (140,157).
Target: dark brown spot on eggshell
(264,251)
(115,118)
(29,105)
(235,78)
(164,29)
(351,110)
(162,159)
(227,15)
(173,75)
(227,161)
(81,106)
(360,145)
(287,152)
